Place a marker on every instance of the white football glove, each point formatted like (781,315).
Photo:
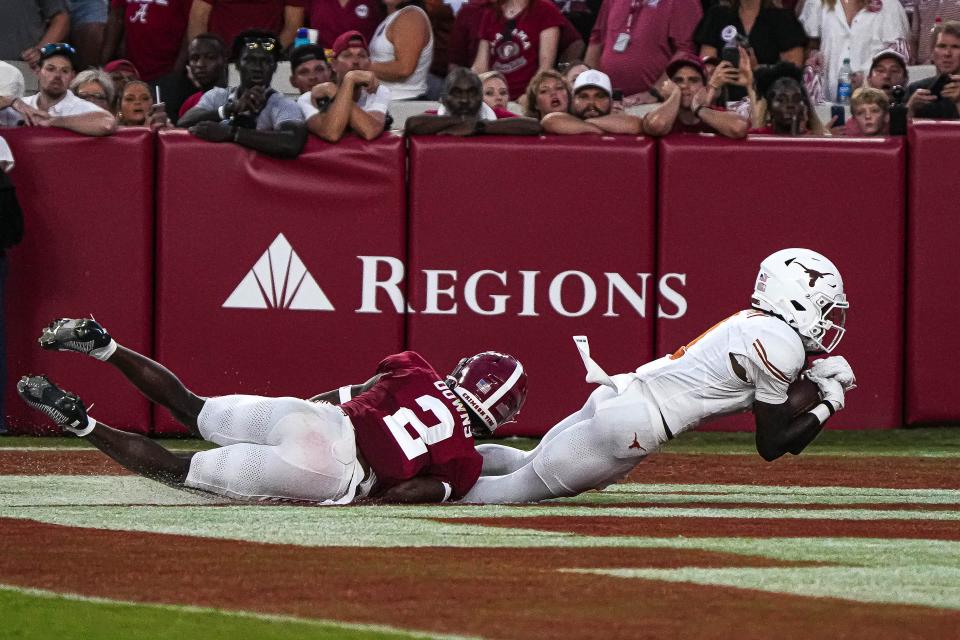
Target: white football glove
(835,367)
(830,390)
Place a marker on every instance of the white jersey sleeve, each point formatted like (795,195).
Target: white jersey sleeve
(775,357)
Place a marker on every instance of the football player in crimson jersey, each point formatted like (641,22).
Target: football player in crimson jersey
(744,362)
(406,435)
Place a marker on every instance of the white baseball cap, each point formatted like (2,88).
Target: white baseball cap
(593,78)
(11,81)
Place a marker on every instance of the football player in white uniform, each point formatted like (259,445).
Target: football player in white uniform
(744,362)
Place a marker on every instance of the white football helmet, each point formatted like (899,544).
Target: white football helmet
(805,290)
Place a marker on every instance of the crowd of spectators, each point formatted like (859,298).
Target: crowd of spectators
(654,67)
(505,67)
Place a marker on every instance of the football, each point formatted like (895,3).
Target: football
(802,396)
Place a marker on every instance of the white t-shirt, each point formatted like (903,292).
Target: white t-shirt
(870,33)
(698,381)
(69,105)
(377,101)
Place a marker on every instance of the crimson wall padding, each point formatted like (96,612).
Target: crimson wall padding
(263,265)
(517,244)
(87,250)
(725,205)
(933,273)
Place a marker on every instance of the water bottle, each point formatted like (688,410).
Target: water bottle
(302,37)
(844,88)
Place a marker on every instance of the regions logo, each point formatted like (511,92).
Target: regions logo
(279,280)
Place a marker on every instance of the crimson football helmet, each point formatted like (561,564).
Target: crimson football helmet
(492,385)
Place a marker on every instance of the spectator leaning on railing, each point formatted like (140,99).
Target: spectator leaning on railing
(938,97)
(783,106)
(309,67)
(27,25)
(870,109)
(496,95)
(136,108)
(356,101)
(590,111)
(252,115)
(463,113)
(547,93)
(55,105)
(94,85)
(11,94)
(687,108)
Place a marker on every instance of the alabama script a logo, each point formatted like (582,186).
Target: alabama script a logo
(279,280)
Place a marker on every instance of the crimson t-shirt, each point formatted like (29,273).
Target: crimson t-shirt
(410,424)
(229,17)
(330,19)
(516,54)
(154,31)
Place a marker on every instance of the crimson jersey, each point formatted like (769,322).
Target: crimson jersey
(410,424)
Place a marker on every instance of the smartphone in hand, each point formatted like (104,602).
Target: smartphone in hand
(837,111)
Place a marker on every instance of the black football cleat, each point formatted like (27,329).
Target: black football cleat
(63,407)
(83,336)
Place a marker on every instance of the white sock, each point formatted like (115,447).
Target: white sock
(104,353)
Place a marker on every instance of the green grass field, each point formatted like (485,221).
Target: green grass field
(706,521)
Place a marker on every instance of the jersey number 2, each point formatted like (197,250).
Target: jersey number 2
(417,446)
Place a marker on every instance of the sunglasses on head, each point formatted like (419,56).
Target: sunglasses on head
(55,48)
(267,44)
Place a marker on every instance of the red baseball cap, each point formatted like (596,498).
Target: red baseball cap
(122,65)
(681,61)
(349,39)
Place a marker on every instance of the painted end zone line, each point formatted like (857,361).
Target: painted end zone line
(43,593)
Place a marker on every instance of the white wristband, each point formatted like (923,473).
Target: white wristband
(447,491)
(345,394)
(91,423)
(822,412)
(221,112)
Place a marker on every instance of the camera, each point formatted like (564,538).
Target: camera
(898,112)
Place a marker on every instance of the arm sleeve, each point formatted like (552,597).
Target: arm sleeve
(306,106)
(552,16)
(894,28)
(810,18)
(213,99)
(286,110)
(379,101)
(776,362)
